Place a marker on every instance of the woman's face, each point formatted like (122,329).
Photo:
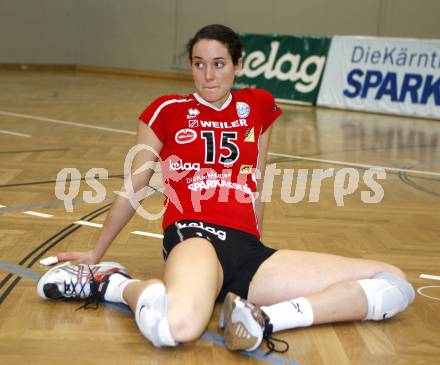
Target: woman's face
(213,71)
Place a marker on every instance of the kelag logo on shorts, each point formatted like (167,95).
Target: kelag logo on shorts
(289,67)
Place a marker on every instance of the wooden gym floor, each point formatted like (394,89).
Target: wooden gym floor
(39,137)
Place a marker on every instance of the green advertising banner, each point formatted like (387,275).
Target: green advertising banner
(289,67)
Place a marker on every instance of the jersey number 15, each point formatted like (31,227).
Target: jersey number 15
(225,143)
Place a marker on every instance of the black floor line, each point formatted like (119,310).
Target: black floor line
(46,246)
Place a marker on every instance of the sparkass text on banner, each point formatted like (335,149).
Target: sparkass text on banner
(398,76)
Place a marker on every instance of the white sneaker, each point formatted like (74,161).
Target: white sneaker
(77,282)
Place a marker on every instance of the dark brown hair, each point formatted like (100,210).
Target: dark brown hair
(222,34)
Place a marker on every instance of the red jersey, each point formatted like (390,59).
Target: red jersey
(210,154)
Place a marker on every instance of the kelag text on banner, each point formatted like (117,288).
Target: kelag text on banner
(289,67)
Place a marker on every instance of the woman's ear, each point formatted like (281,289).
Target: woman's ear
(238,67)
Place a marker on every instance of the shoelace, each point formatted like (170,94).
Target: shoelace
(269,340)
(92,302)
(71,287)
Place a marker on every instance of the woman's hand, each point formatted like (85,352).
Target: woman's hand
(86,257)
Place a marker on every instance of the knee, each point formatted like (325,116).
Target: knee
(186,323)
(169,319)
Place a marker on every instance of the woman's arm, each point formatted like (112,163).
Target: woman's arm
(121,211)
(261,166)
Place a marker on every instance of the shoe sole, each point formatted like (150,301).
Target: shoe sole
(41,283)
(242,332)
(226,310)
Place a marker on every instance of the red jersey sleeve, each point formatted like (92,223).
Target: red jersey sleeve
(269,109)
(154,116)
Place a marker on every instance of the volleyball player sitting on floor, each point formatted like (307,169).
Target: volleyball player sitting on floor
(212,142)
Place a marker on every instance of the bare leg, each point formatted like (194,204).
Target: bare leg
(339,302)
(290,274)
(298,289)
(193,278)
(328,283)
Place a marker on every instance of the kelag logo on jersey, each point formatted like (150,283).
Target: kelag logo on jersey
(185,136)
(184,166)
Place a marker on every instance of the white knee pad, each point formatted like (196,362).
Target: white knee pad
(151,316)
(387,295)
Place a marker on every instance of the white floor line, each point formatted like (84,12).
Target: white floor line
(2,206)
(354,164)
(15,133)
(432,277)
(56,121)
(147,234)
(37,214)
(88,224)
(140,233)
(420,291)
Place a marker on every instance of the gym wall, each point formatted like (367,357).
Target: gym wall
(150,34)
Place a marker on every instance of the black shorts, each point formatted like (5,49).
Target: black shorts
(240,253)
